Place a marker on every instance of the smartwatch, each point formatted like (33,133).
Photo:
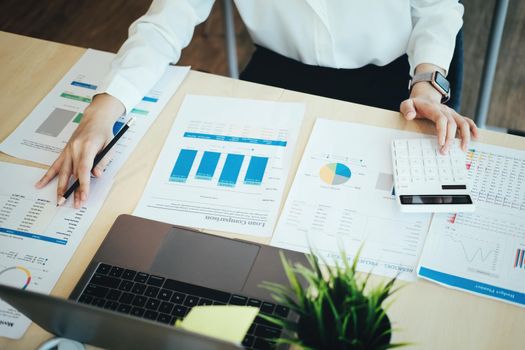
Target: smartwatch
(436,79)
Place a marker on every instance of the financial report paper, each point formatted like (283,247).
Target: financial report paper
(45,131)
(224,165)
(37,238)
(483,252)
(342,198)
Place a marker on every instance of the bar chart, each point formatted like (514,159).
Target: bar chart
(224,165)
(519,261)
(206,165)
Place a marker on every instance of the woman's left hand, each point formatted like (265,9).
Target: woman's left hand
(425,102)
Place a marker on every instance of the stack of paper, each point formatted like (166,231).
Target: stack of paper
(37,239)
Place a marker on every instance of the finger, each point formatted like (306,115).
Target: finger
(441,127)
(63,178)
(408,109)
(451,130)
(433,112)
(464,129)
(473,127)
(83,172)
(76,197)
(98,170)
(50,173)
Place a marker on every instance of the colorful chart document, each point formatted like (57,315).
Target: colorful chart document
(224,165)
(44,133)
(483,252)
(342,198)
(37,239)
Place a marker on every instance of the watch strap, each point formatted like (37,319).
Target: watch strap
(427,76)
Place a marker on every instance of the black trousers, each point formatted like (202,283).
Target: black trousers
(384,87)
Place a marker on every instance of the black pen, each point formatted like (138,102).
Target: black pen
(97,159)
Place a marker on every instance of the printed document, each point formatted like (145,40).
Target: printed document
(44,133)
(224,165)
(343,198)
(37,238)
(483,252)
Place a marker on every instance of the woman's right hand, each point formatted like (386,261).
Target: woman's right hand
(91,135)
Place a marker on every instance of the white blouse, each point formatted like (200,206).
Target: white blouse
(328,33)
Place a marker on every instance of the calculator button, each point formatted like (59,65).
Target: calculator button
(403,171)
(415,152)
(445,172)
(414,143)
(416,171)
(401,152)
(429,152)
(431,171)
(416,162)
(402,162)
(403,180)
(400,143)
(429,162)
(417,179)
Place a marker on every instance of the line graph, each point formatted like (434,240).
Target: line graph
(478,250)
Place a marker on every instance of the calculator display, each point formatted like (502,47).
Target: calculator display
(435,199)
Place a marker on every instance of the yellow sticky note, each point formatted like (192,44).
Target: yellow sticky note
(225,322)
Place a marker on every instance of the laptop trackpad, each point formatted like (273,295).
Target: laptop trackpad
(205,260)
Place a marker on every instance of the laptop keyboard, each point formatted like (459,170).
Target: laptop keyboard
(165,300)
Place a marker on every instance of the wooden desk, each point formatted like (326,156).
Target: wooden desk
(430,316)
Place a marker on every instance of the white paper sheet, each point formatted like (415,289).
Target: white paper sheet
(224,165)
(44,133)
(342,197)
(37,239)
(483,252)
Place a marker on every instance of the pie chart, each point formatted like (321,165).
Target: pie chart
(335,173)
(15,276)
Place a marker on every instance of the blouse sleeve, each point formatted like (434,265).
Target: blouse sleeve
(435,24)
(155,40)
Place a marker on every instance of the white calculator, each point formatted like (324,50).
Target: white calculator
(427,181)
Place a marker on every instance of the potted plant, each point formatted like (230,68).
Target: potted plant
(335,311)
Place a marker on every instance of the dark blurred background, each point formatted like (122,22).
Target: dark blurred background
(103,24)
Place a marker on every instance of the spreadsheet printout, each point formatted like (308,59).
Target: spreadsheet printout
(483,252)
(37,238)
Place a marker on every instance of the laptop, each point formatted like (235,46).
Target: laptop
(158,272)
(103,328)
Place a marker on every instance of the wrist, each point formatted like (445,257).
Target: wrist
(429,85)
(427,67)
(105,106)
(425,90)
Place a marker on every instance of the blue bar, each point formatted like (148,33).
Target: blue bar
(182,166)
(195,135)
(150,99)
(208,165)
(230,171)
(473,286)
(84,85)
(256,169)
(33,235)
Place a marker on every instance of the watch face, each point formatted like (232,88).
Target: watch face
(442,82)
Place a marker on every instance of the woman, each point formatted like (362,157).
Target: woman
(359,51)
